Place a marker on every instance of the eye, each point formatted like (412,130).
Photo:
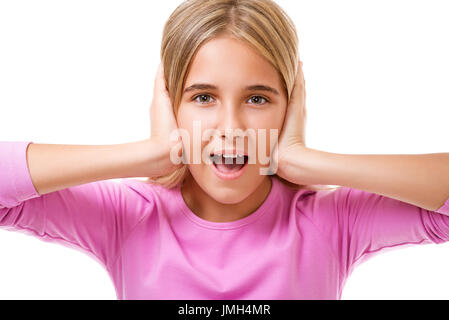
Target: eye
(201,96)
(259,99)
(203,99)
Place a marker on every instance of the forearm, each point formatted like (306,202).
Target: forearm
(56,166)
(421,180)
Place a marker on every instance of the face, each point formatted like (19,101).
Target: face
(243,91)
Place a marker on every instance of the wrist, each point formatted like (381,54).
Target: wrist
(133,158)
(160,157)
(306,166)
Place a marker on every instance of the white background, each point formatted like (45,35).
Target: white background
(82,72)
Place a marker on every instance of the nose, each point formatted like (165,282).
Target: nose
(230,121)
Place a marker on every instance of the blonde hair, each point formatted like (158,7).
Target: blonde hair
(261,23)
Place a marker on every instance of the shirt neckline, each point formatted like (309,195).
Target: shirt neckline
(264,207)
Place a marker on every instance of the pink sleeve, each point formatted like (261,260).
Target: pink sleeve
(444,208)
(89,217)
(360,224)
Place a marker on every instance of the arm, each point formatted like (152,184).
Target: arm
(95,217)
(421,180)
(55,166)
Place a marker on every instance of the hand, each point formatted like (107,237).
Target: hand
(292,138)
(163,124)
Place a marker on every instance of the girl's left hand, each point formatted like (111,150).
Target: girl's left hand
(292,138)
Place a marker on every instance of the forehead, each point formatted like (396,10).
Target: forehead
(228,62)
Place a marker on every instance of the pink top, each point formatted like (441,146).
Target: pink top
(296,245)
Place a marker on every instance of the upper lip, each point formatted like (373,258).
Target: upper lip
(230,152)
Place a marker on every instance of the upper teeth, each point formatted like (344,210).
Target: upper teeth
(228,155)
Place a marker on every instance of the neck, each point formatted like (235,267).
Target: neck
(207,208)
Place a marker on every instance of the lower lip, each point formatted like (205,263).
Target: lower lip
(231,175)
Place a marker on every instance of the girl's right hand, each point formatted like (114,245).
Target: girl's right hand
(163,124)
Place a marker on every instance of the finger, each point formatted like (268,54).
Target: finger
(298,87)
(159,82)
(161,110)
(294,124)
(301,83)
(304,91)
(296,103)
(161,96)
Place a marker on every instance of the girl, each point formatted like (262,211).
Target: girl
(221,228)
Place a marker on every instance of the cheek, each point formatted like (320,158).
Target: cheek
(185,124)
(192,137)
(268,129)
(183,118)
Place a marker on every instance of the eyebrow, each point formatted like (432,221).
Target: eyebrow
(206,86)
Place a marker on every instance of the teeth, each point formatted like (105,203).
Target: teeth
(240,159)
(228,155)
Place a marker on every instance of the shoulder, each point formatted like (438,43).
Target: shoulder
(318,196)
(321,204)
(148,192)
(141,188)
(329,197)
(141,200)
(340,205)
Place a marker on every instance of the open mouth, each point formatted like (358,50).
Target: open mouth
(229,164)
